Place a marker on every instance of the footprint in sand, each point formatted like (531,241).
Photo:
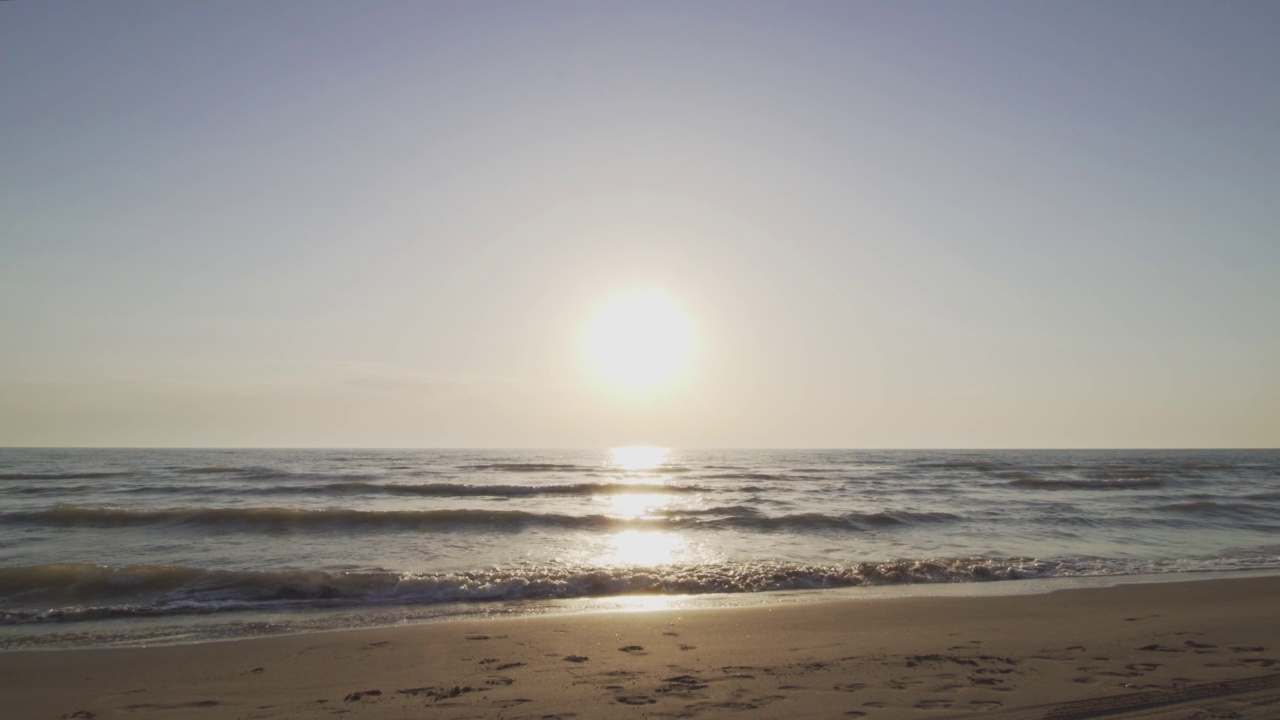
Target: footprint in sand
(678,683)
(438,694)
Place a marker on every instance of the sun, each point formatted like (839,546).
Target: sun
(639,340)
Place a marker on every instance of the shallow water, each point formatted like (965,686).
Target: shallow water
(127,538)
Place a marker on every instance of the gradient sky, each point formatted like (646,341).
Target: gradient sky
(1008,224)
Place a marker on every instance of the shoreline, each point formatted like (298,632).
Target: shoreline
(922,656)
(231,626)
(197,629)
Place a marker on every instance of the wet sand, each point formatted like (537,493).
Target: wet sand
(1204,649)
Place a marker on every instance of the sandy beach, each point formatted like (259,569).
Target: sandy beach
(1201,649)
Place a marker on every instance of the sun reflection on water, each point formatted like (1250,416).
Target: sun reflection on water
(630,506)
(647,603)
(637,458)
(640,547)
(643,547)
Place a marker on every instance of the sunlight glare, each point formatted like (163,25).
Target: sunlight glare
(637,458)
(643,547)
(639,340)
(646,603)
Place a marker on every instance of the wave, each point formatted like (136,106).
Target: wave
(530,467)
(1210,508)
(46,489)
(455,490)
(273,519)
(70,592)
(280,519)
(62,475)
(442,490)
(255,472)
(62,592)
(818,521)
(538,467)
(1132,483)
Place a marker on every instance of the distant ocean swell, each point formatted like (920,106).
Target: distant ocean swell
(995,470)
(320,486)
(65,592)
(1260,516)
(280,519)
(61,476)
(1087,484)
(441,490)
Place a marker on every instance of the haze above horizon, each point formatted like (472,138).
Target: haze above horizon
(571,224)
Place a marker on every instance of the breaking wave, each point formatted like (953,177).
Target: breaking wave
(62,592)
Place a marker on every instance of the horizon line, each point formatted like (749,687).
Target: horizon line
(609,447)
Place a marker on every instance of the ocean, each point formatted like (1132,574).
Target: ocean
(106,547)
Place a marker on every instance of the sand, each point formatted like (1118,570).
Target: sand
(1206,649)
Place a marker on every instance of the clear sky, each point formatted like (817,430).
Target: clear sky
(970,224)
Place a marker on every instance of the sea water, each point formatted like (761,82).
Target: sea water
(104,546)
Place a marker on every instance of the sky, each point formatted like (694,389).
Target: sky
(883,224)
